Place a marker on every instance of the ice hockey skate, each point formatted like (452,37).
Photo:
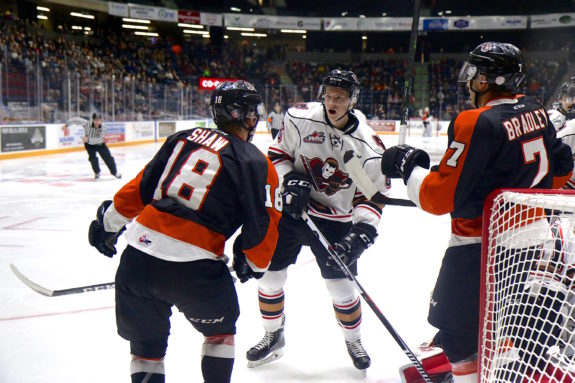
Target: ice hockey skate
(270,348)
(358,355)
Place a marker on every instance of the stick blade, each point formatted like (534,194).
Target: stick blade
(34,286)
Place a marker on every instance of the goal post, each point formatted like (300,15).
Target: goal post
(527,299)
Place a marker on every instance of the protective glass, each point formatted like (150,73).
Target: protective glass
(467,72)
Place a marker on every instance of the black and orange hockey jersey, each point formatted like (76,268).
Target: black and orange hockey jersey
(199,188)
(508,143)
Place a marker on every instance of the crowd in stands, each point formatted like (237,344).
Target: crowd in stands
(159,78)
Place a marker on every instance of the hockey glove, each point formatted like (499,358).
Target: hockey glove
(349,248)
(240,264)
(297,188)
(104,241)
(399,161)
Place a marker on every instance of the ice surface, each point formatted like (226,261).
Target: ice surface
(46,205)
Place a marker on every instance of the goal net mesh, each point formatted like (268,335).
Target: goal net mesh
(527,312)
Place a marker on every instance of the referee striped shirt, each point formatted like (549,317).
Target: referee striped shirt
(95,135)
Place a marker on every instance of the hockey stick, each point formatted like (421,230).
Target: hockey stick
(55,293)
(333,254)
(73,290)
(410,66)
(365,185)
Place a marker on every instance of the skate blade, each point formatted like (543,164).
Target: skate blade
(274,355)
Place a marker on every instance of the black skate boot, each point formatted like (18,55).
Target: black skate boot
(268,349)
(360,359)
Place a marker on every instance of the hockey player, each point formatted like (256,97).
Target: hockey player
(564,110)
(199,188)
(308,153)
(563,118)
(507,141)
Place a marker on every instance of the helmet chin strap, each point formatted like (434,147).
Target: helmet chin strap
(251,131)
(477,93)
(342,116)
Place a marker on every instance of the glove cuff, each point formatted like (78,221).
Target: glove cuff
(366,232)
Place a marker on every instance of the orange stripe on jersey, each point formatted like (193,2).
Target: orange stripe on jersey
(437,192)
(261,254)
(559,182)
(182,229)
(127,200)
(466,227)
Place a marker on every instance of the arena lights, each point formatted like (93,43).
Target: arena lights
(248,34)
(203,33)
(76,14)
(364,37)
(193,26)
(42,17)
(149,34)
(302,31)
(43,9)
(138,21)
(240,29)
(130,26)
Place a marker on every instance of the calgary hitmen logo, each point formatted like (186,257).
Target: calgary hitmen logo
(326,175)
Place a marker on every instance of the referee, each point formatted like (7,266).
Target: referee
(94,143)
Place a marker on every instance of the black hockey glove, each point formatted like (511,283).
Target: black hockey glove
(240,265)
(104,241)
(297,187)
(349,248)
(399,161)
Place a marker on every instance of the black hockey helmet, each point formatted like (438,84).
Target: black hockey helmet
(344,79)
(96,116)
(502,64)
(233,102)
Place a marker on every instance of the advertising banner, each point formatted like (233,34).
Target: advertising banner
(153,13)
(382,125)
(18,138)
(70,135)
(115,132)
(189,17)
(214,19)
(136,131)
(118,9)
(553,20)
(272,22)
(210,83)
(166,129)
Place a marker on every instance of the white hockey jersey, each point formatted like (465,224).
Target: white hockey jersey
(557,118)
(567,135)
(307,143)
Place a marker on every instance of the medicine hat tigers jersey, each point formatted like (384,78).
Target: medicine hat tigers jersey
(199,188)
(508,143)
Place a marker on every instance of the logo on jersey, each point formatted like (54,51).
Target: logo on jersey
(206,320)
(144,240)
(335,141)
(315,138)
(326,176)
(281,133)
(378,141)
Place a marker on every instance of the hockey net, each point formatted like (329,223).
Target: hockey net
(527,309)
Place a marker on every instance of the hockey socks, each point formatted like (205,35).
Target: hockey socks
(218,358)
(271,309)
(147,370)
